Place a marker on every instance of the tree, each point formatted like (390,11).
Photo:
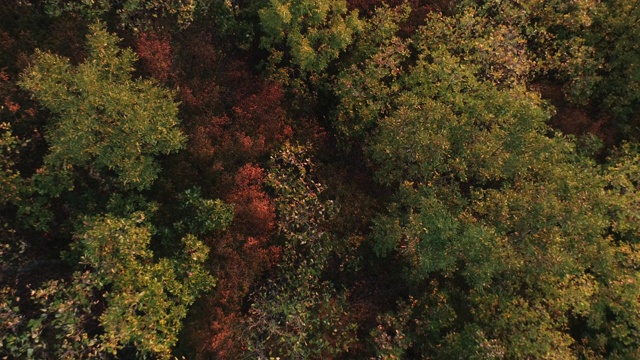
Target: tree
(132,13)
(297,314)
(614,34)
(11,183)
(104,135)
(105,122)
(500,230)
(309,34)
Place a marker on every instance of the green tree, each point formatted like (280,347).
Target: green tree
(105,124)
(104,135)
(11,183)
(132,13)
(586,48)
(615,36)
(501,231)
(308,34)
(147,299)
(144,298)
(611,325)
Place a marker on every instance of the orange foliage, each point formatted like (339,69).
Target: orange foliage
(11,106)
(253,128)
(233,120)
(155,55)
(264,117)
(254,211)
(246,254)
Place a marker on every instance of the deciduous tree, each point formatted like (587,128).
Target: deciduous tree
(502,231)
(104,123)
(104,133)
(297,314)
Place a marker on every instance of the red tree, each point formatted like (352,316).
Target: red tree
(154,52)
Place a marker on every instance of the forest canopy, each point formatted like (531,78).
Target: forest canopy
(320,179)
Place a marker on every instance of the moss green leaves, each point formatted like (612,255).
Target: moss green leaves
(309,33)
(124,287)
(104,122)
(132,13)
(146,298)
(501,229)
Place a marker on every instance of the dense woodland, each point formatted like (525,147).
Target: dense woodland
(320,179)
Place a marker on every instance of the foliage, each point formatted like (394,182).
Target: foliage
(615,36)
(442,215)
(105,122)
(364,92)
(104,137)
(11,184)
(557,35)
(62,319)
(154,51)
(205,215)
(587,47)
(147,298)
(500,229)
(144,299)
(132,13)
(488,51)
(296,314)
(309,33)
(623,175)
